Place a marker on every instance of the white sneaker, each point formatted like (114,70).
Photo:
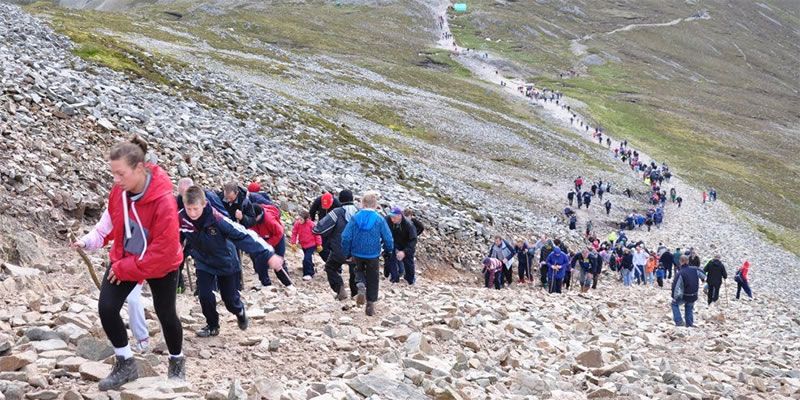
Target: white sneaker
(307,277)
(142,346)
(291,290)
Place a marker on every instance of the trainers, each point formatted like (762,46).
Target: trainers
(370,308)
(242,320)
(208,331)
(142,346)
(124,371)
(361,297)
(177,368)
(342,295)
(307,277)
(291,290)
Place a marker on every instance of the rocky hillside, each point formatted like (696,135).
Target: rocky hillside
(425,131)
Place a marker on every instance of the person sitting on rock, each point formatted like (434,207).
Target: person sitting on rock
(557,263)
(95,240)
(302,233)
(214,239)
(362,240)
(492,273)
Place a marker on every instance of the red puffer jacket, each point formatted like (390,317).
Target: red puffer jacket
(157,213)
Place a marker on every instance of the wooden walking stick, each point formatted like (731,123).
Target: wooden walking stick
(85,259)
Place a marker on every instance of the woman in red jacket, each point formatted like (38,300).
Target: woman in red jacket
(146,246)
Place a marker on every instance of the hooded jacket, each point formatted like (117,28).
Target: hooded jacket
(331,228)
(557,258)
(303,233)
(213,239)
(363,235)
(715,271)
(744,270)
(145,230)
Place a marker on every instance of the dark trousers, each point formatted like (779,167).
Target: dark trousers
(308,261)
(660,281)
(524,270)
(713,292)
(283,274)
(567,279)
(227,289)
(555,286)
(333,270)
(543,274)
(507,276)
(367,272)
(394,268)
(112,297)
(595,278)
(743,285)
(489,281)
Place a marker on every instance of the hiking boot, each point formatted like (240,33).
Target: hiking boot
(361,297)
(177,368)
(208,331)
(370,308)
(342,295)
(124,371)
(242,320)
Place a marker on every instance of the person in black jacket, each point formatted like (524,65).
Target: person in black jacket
(665,262)
(238,205)
(627,267)
(401,260)
(322,205)
(685,290)
(330,228)
(213,238)
(409,214)
(715,271)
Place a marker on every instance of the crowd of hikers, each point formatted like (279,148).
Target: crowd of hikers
(152,233)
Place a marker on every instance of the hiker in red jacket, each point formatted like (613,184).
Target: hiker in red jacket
(302,233)
(146,246)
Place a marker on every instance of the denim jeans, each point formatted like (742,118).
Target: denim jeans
(746,286)
(676,313)
(627,277)
(308,261)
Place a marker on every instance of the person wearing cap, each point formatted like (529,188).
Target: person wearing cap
(401,260)
(331,228)
(322,205)
(256,195)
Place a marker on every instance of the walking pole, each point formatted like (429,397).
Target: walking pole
(85,259)
(188,269)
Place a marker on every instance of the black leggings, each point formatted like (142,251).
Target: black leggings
(112,298)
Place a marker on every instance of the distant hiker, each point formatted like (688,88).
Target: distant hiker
(573,222)
(545,247)
(578,183)
(665,264)
(322,205)
(608,142)
(608,207)
(523,260)
(571,196)
(331,228)
(303,234)
(716,273)
(362,239)
(589,228)
(685,290)
(94,241)
(742,281)
(705,197)
(214,239)
(627,267)
(502,250)
(679,200)
(585,269)
(587,198)
(579,197)
(650,269)
(639,262)
(492,271)
(596,259)
(672,194)
(628,192)
(594,189)
(400,261)
(557,263)
(145,246)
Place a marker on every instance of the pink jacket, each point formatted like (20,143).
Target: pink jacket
(96,239)
(301,233)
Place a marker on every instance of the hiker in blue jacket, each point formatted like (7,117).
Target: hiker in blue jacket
(557,263)
(361,240)
(685,288)
(213,240)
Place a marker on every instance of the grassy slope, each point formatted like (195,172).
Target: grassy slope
(715,98)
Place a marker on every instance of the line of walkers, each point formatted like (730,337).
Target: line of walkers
(152,233)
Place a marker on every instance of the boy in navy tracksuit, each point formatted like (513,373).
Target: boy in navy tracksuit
(213,240)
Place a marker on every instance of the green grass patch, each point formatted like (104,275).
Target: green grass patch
(384,115)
